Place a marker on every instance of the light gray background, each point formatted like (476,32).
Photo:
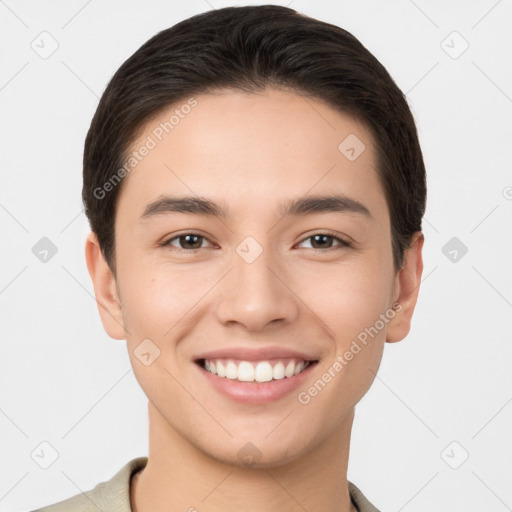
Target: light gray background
(65,382)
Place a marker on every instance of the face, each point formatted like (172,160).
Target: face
(304,283)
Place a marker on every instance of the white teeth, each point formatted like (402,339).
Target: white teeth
(278,371)
(221,372)
(246,371)
(263,371)
(231,370)
(299,368)
(288,372)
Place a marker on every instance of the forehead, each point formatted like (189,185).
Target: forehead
(246,147)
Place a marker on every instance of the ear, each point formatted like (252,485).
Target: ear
(105,289)
(407,283)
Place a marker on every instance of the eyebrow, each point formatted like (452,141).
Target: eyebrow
(305,205)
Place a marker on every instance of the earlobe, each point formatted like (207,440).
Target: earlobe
(408,284)
(105,290)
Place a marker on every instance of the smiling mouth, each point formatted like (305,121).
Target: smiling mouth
(255,371)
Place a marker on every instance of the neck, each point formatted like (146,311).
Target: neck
(180,475)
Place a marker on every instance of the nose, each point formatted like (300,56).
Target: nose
(258,293)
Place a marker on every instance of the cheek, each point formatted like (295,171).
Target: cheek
(348,299)
(350,302)
(157,297)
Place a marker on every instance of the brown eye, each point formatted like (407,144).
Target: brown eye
(325,241)
(187,241)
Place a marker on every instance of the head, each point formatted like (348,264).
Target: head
(240,112)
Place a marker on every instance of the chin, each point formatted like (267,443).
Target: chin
(259,455)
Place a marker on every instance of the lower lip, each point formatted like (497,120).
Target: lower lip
(255,393)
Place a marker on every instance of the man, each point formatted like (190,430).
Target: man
(255,189)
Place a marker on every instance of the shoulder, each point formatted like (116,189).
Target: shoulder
(112,495)
(360,500)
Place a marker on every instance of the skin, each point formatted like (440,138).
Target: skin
(250,152)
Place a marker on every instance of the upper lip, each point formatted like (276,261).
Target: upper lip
(255,354)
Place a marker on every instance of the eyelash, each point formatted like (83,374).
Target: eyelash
(342,243)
